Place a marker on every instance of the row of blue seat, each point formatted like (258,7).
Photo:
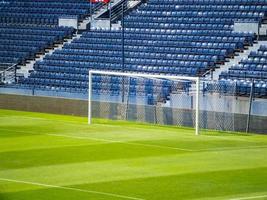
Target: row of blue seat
(18,43)
(170,39)
(244,74)
(187,20)
(170,55)
(252,67)
(225,8)
(53,5)
(228,14)
(40,32)
(69,55)
(191,26)
(20,48)
(83,68)
(210,2)
(250,36)
(108,79)
(42,12)
(243,87)
(145,89)
(36,27)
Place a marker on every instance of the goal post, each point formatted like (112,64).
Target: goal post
(153,78)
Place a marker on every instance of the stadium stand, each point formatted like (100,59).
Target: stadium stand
(162,36)
(42,12)
(29,27)
(251,69)
(21,42)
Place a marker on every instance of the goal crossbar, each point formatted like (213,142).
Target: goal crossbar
(141,75)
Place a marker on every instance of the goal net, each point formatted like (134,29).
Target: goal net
(158,99)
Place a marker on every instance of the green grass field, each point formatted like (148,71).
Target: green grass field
(52,157)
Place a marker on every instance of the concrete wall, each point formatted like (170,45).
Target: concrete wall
(220,103)
(68,22)
(44,104)
(140,113)
(246,27)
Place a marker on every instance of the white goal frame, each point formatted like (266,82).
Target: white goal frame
(142,75)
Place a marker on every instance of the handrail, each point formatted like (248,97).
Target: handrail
(116,12)
(12,66)
(11,71)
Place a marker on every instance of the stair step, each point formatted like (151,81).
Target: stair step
(236,59)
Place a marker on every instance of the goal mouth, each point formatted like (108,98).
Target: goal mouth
(150,98)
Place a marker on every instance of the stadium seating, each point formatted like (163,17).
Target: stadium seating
(253,68)
(45,12)
(18,42)
(185,37)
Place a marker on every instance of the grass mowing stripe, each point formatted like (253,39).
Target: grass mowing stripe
(234,148)
(56,146)
(71,188)
(124,142)
(105,140)
(161,146)
(252,197)
(222,166)
(141,144)
(169,129)
(136,143)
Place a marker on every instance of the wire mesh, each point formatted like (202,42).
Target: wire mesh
(141,99)
(165,101)
(218,106)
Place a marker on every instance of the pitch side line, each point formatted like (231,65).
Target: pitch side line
(246,198)
(71,188)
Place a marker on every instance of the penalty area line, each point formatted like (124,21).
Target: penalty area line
(71,188)
(104,140)
(122,142)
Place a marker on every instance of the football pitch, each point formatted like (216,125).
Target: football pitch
(53,157)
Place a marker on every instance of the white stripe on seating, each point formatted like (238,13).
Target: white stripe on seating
(71,188)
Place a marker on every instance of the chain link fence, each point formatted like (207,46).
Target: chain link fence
(170,102)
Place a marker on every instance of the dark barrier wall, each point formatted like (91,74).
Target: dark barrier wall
(151,114)
(44,104)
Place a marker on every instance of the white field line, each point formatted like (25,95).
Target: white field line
(110,125)
(107,141)
(252,197)
(160,146)
(104,140)
(123,142)
(139,144)
(72,189)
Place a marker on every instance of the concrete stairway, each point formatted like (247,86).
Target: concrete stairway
(96,15)
(24,70)
(235,60)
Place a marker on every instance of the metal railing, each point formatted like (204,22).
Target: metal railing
(95,8)
(8,73)
(123,8)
